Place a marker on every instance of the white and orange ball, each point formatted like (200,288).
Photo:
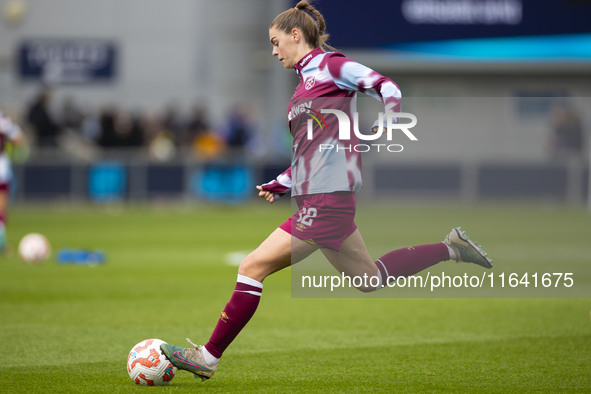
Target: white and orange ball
(34,248)
(148,366)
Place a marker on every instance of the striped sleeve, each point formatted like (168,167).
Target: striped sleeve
(350,75)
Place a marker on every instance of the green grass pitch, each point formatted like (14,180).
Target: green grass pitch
(70,328)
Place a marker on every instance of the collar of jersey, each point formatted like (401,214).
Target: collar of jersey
(306,59)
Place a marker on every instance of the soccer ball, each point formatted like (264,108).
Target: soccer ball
(34,248)
(147,366)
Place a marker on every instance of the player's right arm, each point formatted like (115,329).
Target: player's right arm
(271,191)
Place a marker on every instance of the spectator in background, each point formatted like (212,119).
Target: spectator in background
(239,131)
(45,128)
(160,141)
(108,136)
(197,124)
(129,130)
(208,145)
(172,122)
(71,116)
(119,129)
(90,126)
(138,132)
(568,135)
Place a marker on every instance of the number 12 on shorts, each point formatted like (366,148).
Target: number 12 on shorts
(307,215)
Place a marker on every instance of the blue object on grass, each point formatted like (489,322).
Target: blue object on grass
(80,256)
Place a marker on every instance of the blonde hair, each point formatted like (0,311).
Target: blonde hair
(308,20)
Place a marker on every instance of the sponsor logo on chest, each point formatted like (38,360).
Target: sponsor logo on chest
(298,109)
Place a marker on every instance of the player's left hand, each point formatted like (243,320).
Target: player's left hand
(376,125)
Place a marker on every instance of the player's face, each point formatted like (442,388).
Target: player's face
(283,47)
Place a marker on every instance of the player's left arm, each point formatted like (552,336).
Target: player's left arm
(350,75)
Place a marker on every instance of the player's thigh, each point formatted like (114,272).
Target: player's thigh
(353,259)
(276,252)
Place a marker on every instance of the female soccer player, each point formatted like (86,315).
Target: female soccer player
(323,184)
(9,131)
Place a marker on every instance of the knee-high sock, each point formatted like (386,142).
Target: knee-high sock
(3,226)
(236,314)
(409,261)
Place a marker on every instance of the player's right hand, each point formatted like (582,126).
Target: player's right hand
(271,191)
(267,195)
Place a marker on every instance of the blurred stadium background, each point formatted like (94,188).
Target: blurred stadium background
(151,101)
(167,100)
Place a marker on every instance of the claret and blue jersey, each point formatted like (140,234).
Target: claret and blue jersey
(329,80)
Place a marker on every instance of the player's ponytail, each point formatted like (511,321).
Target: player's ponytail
(320,37)
(309,20)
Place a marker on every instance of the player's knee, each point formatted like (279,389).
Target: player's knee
(370,282)
(252,267)
(247,266)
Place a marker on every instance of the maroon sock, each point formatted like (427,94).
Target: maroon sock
(236,314)
(409,261)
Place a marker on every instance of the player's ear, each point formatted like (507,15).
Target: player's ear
(295,35)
